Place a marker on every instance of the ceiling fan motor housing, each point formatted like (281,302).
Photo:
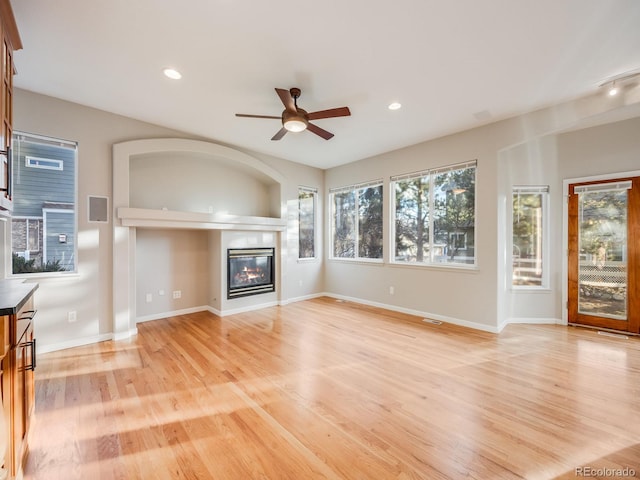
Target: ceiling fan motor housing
(291,116)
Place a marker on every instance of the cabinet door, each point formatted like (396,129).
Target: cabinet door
(17,415)
(29,379)
(7,92)
(5,414)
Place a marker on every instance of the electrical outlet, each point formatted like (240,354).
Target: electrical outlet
(161,292)
(71,317)
(149,298)
(177,294)
(392,291)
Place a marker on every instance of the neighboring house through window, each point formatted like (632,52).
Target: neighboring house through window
(43,224)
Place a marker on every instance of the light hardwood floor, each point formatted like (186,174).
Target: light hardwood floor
(324,389)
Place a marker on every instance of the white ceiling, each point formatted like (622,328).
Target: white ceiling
(453,64)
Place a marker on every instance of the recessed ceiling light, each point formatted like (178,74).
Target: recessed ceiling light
(172,73)
(395,106)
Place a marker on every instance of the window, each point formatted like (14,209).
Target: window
(356,228)
(307,222)
(529,244)
(434,216)
(49,163)
(26,235)
(43,226)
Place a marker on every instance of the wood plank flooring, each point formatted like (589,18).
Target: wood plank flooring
(324,389)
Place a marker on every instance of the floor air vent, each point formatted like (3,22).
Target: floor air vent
(614,335)
(434,322)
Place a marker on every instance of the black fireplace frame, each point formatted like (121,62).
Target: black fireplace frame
(245,291)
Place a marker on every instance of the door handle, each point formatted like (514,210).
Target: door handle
(31,344)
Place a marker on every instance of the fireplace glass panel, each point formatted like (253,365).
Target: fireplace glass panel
(250,271)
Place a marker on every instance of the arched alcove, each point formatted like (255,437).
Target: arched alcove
(184,184)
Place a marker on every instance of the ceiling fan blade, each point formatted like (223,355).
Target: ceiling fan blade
(256,116)
(287,99)
(332,112)
(319,131)
(280,134)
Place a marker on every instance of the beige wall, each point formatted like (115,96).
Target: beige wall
(168,261)
(190,183)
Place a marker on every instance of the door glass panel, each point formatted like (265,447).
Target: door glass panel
(602,271)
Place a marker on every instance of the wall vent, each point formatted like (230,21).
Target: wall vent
(98,208)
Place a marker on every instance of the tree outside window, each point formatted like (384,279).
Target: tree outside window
(434,216)
(307,222)
(529,212)
(357,230)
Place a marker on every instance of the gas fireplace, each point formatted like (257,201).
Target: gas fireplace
(250,271)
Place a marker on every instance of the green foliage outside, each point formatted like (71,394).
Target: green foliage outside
(306,226)
(451,215)
(20,265)
(603,223)
(357,223)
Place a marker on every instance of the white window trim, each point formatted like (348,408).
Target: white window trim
(345,189)
(313,191)
(28,137)
(392,215)
(32,162)
(546,238)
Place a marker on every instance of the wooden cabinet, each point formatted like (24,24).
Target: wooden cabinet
(22,361)
(10,42)
(18,361)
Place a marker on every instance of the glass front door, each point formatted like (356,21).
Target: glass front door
(603,220)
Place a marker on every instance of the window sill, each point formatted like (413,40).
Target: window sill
(437,266)
(361,261)
(530,290)
(43,275)
(309,260)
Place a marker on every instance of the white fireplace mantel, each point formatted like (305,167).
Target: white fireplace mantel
(150,218)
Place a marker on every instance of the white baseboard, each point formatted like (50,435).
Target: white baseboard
(249,308)
(531,321)
(126,335)
(302,298)
(78,342)
(173,313)
(419,313)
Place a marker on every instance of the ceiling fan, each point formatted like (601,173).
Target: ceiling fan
(295,119)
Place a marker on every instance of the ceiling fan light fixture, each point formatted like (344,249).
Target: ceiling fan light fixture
(294,121)
(613,89)
(295,125)
(395,106)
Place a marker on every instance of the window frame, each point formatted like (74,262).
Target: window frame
(354,188)
(28,161)
(431,174)
(21,136)
(543,191)
(314,192)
